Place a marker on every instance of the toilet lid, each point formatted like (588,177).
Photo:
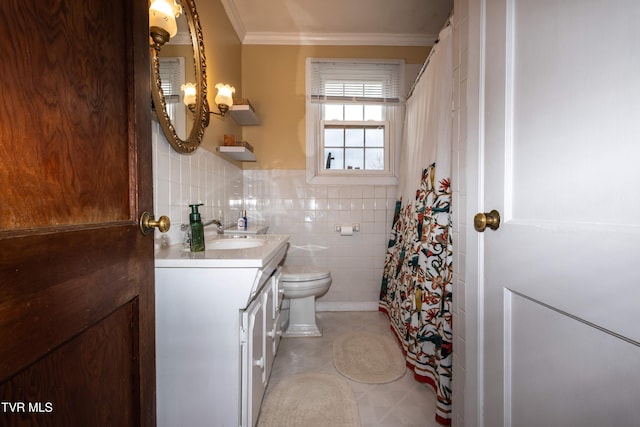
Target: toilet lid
(303,273)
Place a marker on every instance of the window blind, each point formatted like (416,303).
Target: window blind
(172,78)
(356,81)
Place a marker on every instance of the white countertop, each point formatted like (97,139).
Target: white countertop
(179,256)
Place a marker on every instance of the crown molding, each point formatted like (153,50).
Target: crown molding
(346,39)
(327,39)
(234,18)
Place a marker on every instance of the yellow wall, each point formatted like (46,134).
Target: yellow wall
(273,79)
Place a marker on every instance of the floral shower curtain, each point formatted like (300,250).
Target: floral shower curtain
(416,291)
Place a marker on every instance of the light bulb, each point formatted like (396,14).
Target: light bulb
(163,14)
(225,94)
(189,90)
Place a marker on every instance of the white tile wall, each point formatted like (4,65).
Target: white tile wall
(309,214)
(202,177)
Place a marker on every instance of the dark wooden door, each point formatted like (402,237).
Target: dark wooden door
(76,274)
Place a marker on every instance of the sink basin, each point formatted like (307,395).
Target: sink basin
(223,252)
(235,243)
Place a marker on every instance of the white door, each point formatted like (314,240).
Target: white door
(561,292)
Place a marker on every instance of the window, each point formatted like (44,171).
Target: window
(354,114)
(172,78)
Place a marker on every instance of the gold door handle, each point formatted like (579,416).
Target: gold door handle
(147,223)
(487,219)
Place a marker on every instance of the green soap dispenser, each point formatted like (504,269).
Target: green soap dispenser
(197,229)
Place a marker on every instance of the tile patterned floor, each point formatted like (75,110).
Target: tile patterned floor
(402,403)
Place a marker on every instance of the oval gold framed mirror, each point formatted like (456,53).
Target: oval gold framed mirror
(183,125)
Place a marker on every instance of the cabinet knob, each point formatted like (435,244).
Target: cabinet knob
(259,362)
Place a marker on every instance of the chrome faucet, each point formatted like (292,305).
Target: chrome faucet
(219,229)
(220,225)
(187,229)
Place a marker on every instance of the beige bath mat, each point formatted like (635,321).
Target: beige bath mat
(310,400)
(368,358)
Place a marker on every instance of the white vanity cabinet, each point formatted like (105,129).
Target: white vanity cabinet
(217,332)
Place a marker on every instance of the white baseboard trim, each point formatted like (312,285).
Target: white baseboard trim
(347,306)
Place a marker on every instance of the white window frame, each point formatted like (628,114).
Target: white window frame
(393,122)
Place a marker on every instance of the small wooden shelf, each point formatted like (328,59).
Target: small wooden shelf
(239,153)
(244,115)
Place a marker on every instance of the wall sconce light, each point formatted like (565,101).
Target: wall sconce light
(224,98)
(162,21)
(189,97)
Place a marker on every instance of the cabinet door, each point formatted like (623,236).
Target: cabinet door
(278,290)
(278,295)
(254,374)
(270,329)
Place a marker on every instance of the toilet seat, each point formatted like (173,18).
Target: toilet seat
(303,273)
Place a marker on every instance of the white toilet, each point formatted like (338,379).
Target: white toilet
(301,285)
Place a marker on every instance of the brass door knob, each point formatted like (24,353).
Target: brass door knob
(487,219)
(147,223)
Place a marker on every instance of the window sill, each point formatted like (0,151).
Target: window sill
(351,179)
